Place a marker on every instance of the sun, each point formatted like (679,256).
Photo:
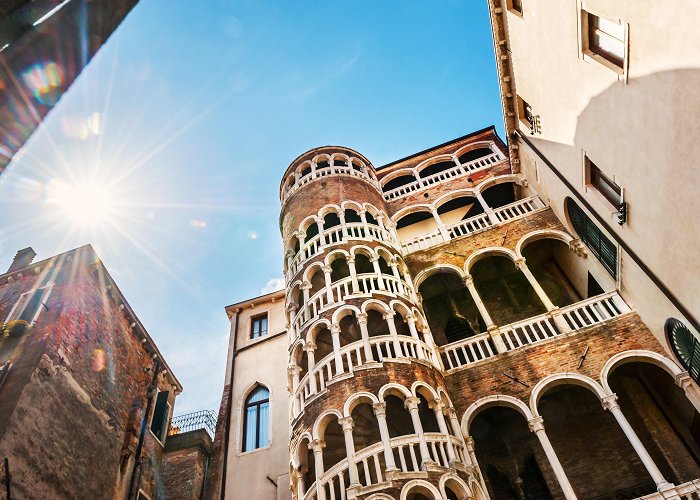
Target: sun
(83,203)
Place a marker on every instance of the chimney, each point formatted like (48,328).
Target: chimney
(23,258)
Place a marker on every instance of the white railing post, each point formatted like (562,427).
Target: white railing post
(411,320)
(329,283)
(353,274)
(377,270)
(380,412)
(537,427)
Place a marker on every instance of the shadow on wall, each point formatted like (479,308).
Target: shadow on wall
(645,134)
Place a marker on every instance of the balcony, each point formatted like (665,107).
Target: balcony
(462,170)
(476,224)
(685,491)
(370,462)
(319,171)
(203,419)
(532,331)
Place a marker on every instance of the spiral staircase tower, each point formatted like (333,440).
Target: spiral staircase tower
(369,412)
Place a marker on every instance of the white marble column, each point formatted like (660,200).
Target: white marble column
(363,218)
(335,334)
(341,216)
(374,259)
(321,236)
(411,320)
(457,431)
(491,328)
(488,210)
(537,427)
(310,349)
(553,310)
(347,424)
(362,322)
(295,371)
(389,318)
(412,405)
(317,446)
(380,412)
(353,274)
(441,226)
(437,406)
(329,283)
(610,404)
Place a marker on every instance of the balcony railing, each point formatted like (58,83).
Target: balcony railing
(203,419)
(472,225)
(367,284)
(319,173)
(334,235)
(533,330)
(685,491)
(370,461)
(353,356)
(464,169)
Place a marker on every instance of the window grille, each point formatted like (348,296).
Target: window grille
(599,245)
(685,346)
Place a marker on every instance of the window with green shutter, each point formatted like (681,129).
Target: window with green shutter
(599,244)
(685,346)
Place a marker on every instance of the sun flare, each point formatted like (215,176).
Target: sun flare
(83,203)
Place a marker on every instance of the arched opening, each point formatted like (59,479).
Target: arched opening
(356,166)
(474,154)
(371,219)
(306,170)
(505,291)
(339,162)
(500,194)
(384,266)
(318,281)
(365,433)
(376,324)
(349,330)
(420,492)
(397,182)
(324,344)
(415,224)
(306,464)
(401,325)
(301,361)
(510,456)
(554,265)
(663,418)
(339,269)
(335,451)
(459,209)
(294,245)
(596,455)
(451,311)
(311,231)
(321,163)
(351,216)
(428,420)
(398,418)
(363,264)
(330,221)
(436,168)
(455,490)
(256,419)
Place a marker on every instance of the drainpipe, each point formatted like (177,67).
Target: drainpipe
(137,455)
(229,405)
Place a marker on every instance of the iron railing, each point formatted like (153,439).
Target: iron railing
(202,419)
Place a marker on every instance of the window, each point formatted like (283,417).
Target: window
(527,117)
(30,305)
(685,346)
(256,419)
(599,245)
(603,184)
(604,40)
(516,7)
(258,326)
(161,413)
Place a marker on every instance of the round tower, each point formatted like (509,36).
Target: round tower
(369,413)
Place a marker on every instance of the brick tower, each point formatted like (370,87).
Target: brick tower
(369,408)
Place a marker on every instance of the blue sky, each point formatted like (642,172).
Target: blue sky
(191,114)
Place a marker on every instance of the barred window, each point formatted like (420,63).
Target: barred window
(599,244)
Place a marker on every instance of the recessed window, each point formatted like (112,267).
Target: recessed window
(599,244)
(527,116)
(256,419)
(161,413)
(258,326)
(604,40)
(603,184)
(30,305)
(685,346)
(515,6)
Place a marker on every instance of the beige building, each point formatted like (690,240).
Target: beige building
(490,320)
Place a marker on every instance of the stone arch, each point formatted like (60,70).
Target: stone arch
(565,378)
(399,173)
(306,222)
(457,193)
(443,158)
(316,327)
(356,399)
(438,268)
(418,207)
(499,179)
(362,249)
(487,252)
(476,145)
(331,208)
(489,401)
(351,205)
(374,304)
(397,306)
(394,389)
(539,235)
(419,486)
(380,496)
(453,481)
(637,356)
(345,310)
(336,254)
(322,421)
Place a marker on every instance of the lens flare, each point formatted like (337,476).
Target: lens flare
(85,203)
(44,80)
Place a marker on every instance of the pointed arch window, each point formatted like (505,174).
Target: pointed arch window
(256,419)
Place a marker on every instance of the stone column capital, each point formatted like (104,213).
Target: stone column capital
(411,403)
(610,402)
(379,409)
(294,369)
(361,317)
(326,269)
(306,285)
(335,328)
(310,346)
(536,424)
(520,262)
(468,280)
(389,315)
(436,405)
(317,445)
(350,259)
(347,423)
(374,258)
(683,380)
(410,318)
(301,235)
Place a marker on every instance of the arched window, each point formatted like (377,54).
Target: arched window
(256,419)
(604,249)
